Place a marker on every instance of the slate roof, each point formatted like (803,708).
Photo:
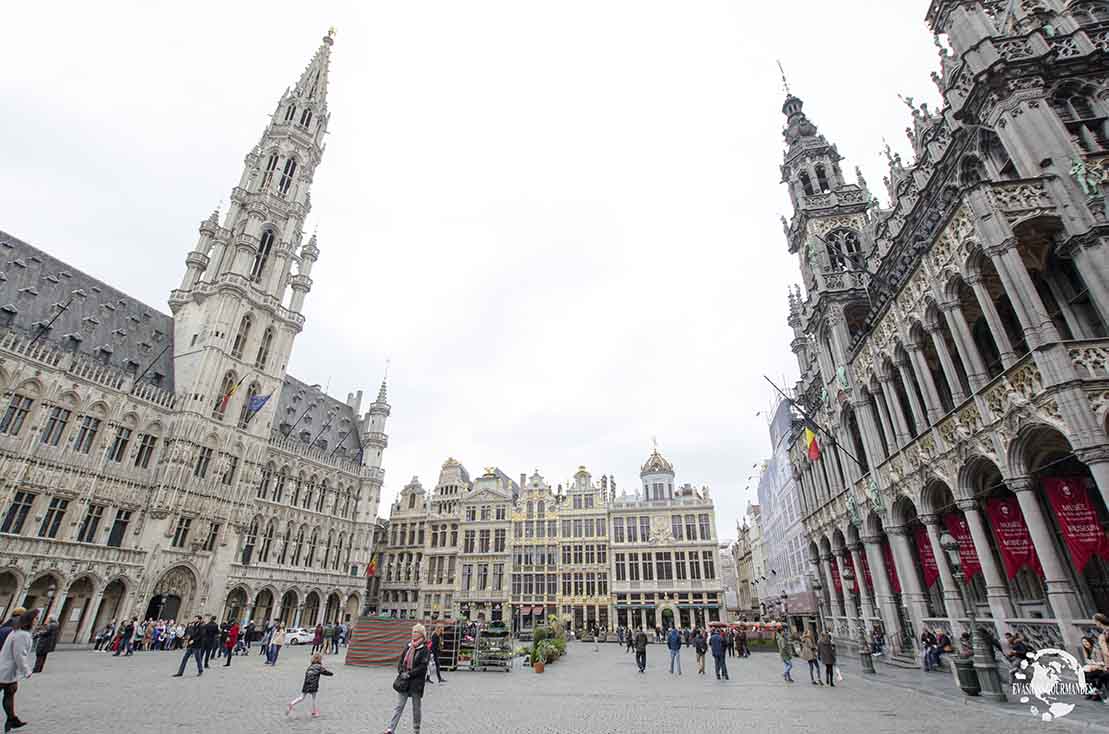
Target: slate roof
(305,413)
(100,322)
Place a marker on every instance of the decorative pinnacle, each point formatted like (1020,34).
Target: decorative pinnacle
(785,81)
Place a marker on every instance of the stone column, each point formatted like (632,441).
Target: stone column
(1038,326)
(1097,460)
(911,590)
(932,401)
(948,364)
(1060,592)
(919,417)
(1092,260)
(952,594)
(977,374)
(84,632)
(886,601)
(296,617)
(997,590)
(997,329)
(893,405)
(868,427)
(56,605)
(837,605)
(887,424)
(869,609)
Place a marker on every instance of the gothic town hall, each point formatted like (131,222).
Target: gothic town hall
(166,465)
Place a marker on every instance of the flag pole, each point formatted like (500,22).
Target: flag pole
(808,419)
(150,366)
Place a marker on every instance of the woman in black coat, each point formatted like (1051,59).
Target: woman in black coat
(436,646)
(411,672)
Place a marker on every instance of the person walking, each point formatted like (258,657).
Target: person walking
(128,631)
(744,652)
(211,639)
(15,665)
(716,642)
(826,651)
(808,654)
(785,650)
(700,647)
(629,639)
(674,644)
(436,647)
(194,641)
(311,685)
(248,634)
(641,650)
(231,641)
(731,643)
(277,639)
(46,639)
(317,638)
(409,684)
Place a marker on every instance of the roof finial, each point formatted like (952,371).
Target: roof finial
(785,81)
(331,32)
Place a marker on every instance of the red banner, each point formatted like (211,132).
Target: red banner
(891,567)
(836,580)
(849,562)
(927,557)
(956,524)
(1013,540)
(866,572)
(1078,520)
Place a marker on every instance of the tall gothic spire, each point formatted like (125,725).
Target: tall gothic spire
(311,88)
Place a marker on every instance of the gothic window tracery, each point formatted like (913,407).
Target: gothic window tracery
(844,250)
(287,175)
(1082,115)
(261,256)
(241,337)
(267,172)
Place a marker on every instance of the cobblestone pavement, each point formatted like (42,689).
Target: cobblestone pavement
(584,692)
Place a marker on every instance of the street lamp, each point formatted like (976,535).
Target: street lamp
(985,664)
(865,658)
(817,587)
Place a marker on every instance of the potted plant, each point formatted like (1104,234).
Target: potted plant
(539,656)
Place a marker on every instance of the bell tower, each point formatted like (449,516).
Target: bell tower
(240,303)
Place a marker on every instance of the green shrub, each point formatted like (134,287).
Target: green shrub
(559,644)
(540,633)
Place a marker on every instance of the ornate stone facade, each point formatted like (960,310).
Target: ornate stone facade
(167,466)
(498,550)
(953,346)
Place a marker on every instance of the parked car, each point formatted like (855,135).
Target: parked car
(299,636)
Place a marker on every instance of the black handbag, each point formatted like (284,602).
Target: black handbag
(400,685)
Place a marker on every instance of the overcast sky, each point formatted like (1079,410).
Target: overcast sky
(559,220)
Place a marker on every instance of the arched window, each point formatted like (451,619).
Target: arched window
(267,478)
(822,179)
(1084,120)
(297,547)
(296,489)
(267,172)
(327,549)
(311,490)
(806,183)
(322,498)
(262,256)
(264,348)
(267,543)
(285,547)
(350,547)
(279,485)
(287,177)
(248,542)
(241,337)
(971,171)
(290,112)
(244,412)
(311,555)
(338,553)
(224,397)
(346,505)
(305,118)
(844,250)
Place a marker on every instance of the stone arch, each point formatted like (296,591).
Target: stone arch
(825,546)
(290,600)
(838,541)
(112,601)
(873,524)
(312,603)
(174,595)
(936,498)
(11,585)
(1033,445)
(78,600)
(333,608)
(903,511)
(852,535)
(265,602)
(69,398)
(32,387)
(353,607)
(236,602)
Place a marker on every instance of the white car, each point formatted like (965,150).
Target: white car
(299,636)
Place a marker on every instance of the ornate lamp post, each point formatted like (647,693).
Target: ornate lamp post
(817,587)
(865,658)
(985,664)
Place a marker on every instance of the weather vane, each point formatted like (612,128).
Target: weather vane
(331,32)
(785,82)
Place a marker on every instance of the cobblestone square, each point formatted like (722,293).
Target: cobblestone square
(598,693)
